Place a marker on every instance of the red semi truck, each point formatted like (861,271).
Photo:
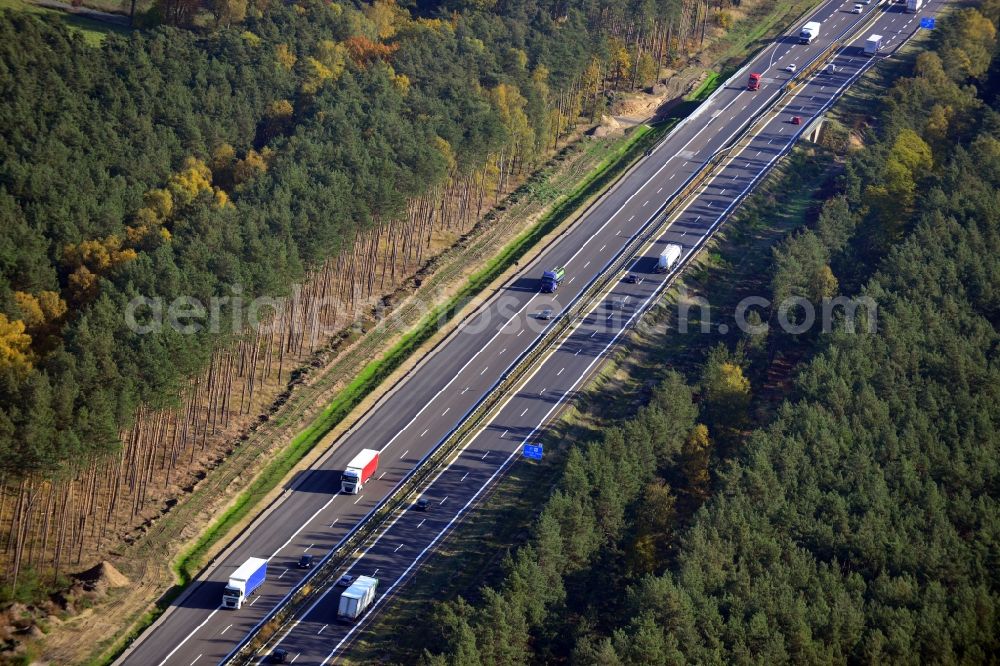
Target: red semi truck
(754,83)
(358,471)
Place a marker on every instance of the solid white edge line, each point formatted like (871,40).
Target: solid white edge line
(178,647)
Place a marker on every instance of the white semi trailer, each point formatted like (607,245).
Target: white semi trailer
(668,257)
(809,32)
(356,599)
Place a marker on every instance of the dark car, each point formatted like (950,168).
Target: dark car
(305,562)
(279,656)
(345,580)
(422,504)
(796,120)
(649,152)
(632,278)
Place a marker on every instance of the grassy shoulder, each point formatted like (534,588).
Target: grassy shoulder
(93,32)
(758,26)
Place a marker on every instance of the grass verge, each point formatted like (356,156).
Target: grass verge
(737,265)
(93,32)
(760,25)
(705,88)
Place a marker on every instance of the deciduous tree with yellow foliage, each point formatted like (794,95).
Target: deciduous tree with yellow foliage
(15,348)
(725,396)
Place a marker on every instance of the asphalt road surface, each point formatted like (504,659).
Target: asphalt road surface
(420,412)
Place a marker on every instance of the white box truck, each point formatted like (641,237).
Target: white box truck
(668,257)
(356,599)
(809,32)
(914,6)
(244,581)
(873,45)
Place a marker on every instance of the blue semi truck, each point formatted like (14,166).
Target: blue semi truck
(244,581)
(551,279)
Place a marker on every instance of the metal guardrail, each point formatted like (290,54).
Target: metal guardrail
(810,68)
(326,572)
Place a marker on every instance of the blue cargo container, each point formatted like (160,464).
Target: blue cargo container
(244,582)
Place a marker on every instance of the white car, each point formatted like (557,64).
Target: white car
(858,8)
(790,68)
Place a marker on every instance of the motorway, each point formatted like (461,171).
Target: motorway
(423,409)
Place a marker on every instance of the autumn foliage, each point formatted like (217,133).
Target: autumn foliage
(365,51)
(15,347)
